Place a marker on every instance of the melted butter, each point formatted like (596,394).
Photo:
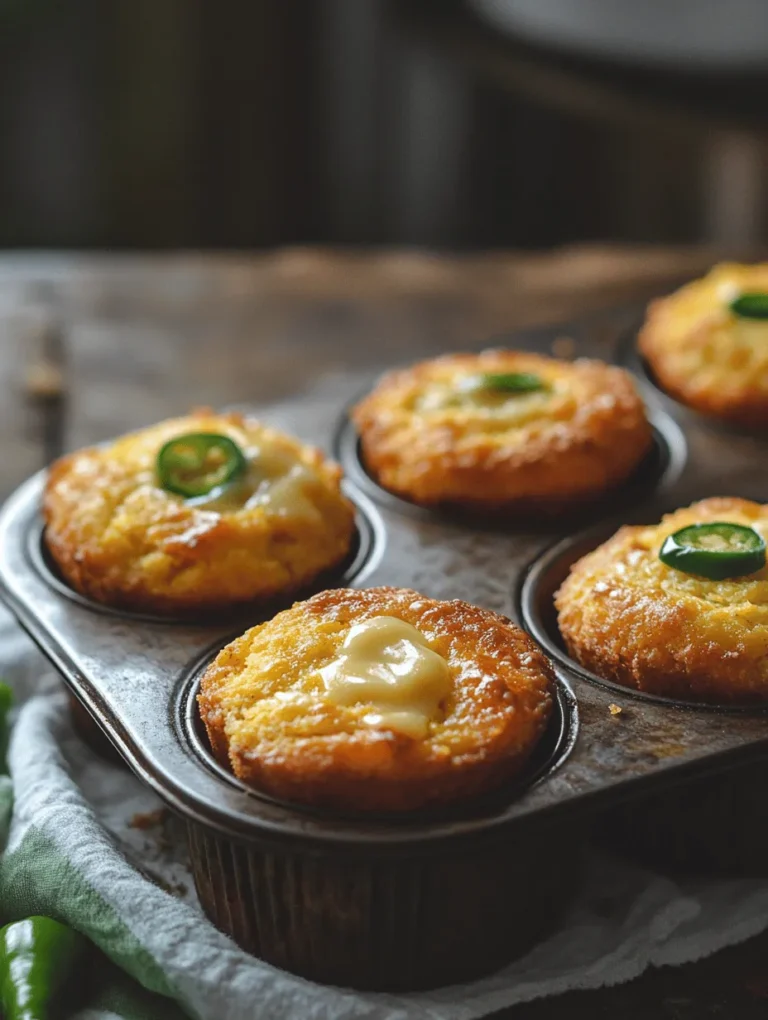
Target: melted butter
(387,663)
(274,480)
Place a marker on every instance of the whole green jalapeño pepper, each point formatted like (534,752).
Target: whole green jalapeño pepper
(37,960)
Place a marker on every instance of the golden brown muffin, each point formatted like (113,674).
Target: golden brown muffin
(121,538)
(269,705)
(434,436)
(629,618)
(704,354)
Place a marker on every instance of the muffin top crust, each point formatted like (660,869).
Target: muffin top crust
(706,354)
(502,428)
(122,531)
(630,617)
(381,699)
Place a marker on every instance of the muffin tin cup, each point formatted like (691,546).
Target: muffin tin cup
(387,923)
(379,901)
(660,466)
(715,824)
(366,547)
(416,916)
(551,751)
(631,358)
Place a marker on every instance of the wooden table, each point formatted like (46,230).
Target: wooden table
(94,345)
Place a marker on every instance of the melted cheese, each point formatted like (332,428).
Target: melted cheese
(275,480)
(387,663)
(462,393)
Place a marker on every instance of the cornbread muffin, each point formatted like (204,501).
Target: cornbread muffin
(629,617)
(503,429)
(377,700)
(706,354)
(121,530)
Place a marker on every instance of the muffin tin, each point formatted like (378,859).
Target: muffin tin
(402,902)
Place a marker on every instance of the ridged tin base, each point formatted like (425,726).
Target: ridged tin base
(385,923)
(717,825)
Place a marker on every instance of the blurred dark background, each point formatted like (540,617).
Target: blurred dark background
(168,123)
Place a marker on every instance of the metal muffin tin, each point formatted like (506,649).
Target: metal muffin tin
(331,896)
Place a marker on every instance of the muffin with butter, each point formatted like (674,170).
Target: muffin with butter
(707,344)
(196,514)
(503,430)
(678,608)
(377,700)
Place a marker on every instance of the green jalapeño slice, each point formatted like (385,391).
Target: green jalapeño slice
(717,551)
(509,382)
(198,462)
(750,306)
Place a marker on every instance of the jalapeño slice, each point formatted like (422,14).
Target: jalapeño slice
(510,382)
(197,462)
(717,550)
(750,306)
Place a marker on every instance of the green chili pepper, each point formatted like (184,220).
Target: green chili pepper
(750,306)
(510,382)
(194,464)
(6,703)
(717,551)
(37,959)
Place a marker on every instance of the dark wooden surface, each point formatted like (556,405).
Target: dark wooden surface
(92,346)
